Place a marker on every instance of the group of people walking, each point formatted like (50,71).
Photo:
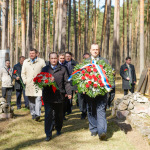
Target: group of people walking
(59,103)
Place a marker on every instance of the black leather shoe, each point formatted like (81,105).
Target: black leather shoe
(33,117)
(102,137)
(48,138)
(37,118)
(58,132)
(93,133)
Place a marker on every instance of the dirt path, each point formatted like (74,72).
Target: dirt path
(24,133)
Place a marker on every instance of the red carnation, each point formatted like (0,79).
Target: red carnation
(95,70)
(93,66)
(88,69)
(50,75)
(125,69)
(46,81)
(47,75)
(39,80)
(89,82)
(87,85)
(87,75)
(99,76)
(95,85)
(41,77)
(93,76)
(83,77)
(102,84)
(15,71)
(95,79)
(90,77)
(83,72)
(99,81)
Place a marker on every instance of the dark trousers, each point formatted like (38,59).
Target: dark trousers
(18,95)
(131,90)
(8,92)
(65,105)
(82,103)
(97,114)
(111,96)
(69,105)
(58,108)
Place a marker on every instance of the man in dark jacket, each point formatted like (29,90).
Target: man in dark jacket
(128,75)
(70,64)
(63,62)
(18,84)
(54,101)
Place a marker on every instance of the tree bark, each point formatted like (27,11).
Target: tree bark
(5,24)
(75,30)
(12,32)
(128,53)
(107,30)
(64,25)
(23,24)
(40,25)
(142,65)
(17,31)
(44,30)
(69,25)
(48,31)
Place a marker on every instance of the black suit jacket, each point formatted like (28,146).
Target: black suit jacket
(17,67)
(61,78)
(123,74)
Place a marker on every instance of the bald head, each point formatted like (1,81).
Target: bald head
(95,51)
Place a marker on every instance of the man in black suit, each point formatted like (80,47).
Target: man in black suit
(54,101)
(127,72)
(18,85)
(96,106)
(63,62)
(70,64)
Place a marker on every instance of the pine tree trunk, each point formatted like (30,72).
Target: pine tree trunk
(79,30)
(33,23)
(128,50)
(75,30)
(123,57)
(17,32)
(69,26)
(54,15)
(48,32)
(102,33)
(85,26)
(12,32)
(5,24)
(107,30)
(40,25)
(23,24)
(56,26)
(141,36)
(60,24)
(44,30)
(64,25)
(130,37)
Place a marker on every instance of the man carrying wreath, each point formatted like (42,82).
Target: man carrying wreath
(96,106)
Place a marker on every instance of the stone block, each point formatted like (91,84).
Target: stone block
(122,114)
(122,106)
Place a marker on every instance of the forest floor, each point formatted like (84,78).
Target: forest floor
(22,132)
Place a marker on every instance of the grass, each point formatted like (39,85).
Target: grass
(24,133)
